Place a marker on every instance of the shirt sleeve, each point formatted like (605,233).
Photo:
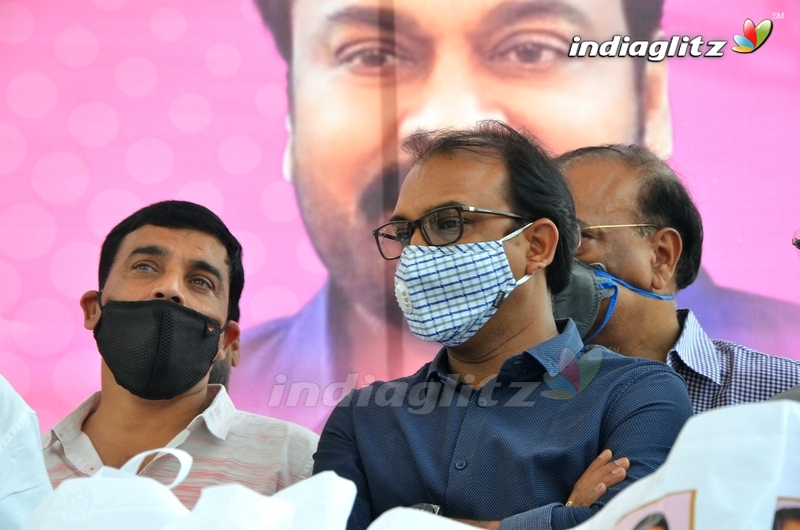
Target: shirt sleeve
(25,483)
(641,424)
(338,452)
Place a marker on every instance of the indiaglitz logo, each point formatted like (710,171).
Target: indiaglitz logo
(754,36)
(575,371)
(677,46)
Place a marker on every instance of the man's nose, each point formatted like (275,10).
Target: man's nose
(169,287)
(451,97)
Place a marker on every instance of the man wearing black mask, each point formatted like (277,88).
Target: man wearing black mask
(170,279)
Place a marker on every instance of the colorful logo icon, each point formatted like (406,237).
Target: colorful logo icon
(754,36)
(574,373)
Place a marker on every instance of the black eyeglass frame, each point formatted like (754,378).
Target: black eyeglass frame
(412,225)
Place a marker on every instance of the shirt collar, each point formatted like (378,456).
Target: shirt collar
(70,427)
(695,348)
(548,353)
(217,417)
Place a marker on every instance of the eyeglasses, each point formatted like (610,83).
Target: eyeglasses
(638,225)
(631,225)
(439,227)
(796,241)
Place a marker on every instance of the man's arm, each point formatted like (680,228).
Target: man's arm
(641,424)
(338,452)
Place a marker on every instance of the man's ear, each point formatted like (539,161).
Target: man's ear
(655,106)
(228,338)
(542,237)
(235,352)
(91,309)
(667,248)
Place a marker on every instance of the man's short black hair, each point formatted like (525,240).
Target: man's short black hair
(538,190)
(662,200)
(179,215)
(785,514)
(643,18)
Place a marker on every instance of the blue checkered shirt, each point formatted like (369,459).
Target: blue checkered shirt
(719,373)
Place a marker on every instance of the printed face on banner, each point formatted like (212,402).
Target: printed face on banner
(365,74)
(672,512)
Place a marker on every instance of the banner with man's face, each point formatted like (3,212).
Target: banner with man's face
(109,105)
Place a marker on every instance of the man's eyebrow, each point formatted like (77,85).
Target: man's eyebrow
(510,12)
(381,18)
(209,268)
(149,250)
(429,210)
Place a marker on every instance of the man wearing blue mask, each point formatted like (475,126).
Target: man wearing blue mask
(496,430)
(644,237)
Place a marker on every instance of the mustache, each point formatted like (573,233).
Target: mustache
(380,195)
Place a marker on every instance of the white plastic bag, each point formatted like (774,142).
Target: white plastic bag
(322,502)
(114,498)
(730,468)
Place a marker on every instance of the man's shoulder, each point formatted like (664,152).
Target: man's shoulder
(613,361)
(758,370)
(251,424)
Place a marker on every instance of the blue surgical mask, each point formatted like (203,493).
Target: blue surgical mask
(448,293)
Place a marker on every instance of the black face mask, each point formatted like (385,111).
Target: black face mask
(156,349)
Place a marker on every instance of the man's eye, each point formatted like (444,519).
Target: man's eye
(143,267)
(369,57)
(402,234)
(530,51)
(448,223)
(202,282)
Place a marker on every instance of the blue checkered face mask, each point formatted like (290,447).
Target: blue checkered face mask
(448,293)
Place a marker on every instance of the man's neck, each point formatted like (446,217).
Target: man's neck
(650,330)
(521,323)
(124,425)
(476,361)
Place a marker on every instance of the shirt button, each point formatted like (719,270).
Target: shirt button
(461,464)
(482,402)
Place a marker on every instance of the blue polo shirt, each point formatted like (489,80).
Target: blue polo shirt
(512,450)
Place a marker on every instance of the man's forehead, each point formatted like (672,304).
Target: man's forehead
(457,177)
(414,16)
(190,242)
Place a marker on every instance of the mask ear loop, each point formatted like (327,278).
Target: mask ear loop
(502,294)
(612,304)
(648,294)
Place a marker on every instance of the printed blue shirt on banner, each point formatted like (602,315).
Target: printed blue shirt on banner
(513,450)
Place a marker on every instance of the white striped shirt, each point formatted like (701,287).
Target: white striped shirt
(228,446)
